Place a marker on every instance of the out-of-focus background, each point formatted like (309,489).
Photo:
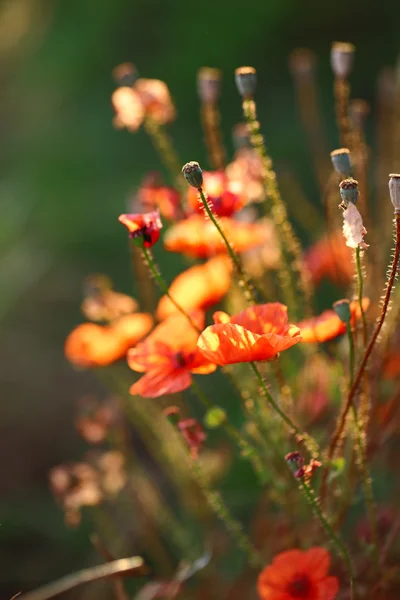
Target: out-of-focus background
(66,175)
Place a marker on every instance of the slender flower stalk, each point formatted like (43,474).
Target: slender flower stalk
(246,449)
(168,155)
(335,539)
(222,512)
(292,273)
(342,56)
(147,256)
(301,437)
(360,293)
(209,88)
(354,388)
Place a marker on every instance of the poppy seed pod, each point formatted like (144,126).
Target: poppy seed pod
(193,174)
(342,56)
(246,81)
(394,190)
(302,62)
(341,161)
(349,190)
(209,84)
(342,309)
(125,74)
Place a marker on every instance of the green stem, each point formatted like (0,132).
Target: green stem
(234,527)
(246,449)
(163,285)
(339,545)
(244,281)
(360,287)
(308,441)
(351,353)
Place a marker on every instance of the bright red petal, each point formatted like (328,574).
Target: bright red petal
(328,588)
(263,318)
(317,562)
(161,382)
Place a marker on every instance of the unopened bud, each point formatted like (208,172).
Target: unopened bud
(209,84)
(358,110)
(125,74)
(295,461)
(193,174)
(349,190)
(394,190)
(342,309)
(341,161)
(342,57)
(246,81)
(302,62)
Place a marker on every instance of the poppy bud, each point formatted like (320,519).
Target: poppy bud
(341,161)
(349,190)
(193,174)
(209,84)
(246,81)
(394,190)
(125,74)
(342,309)
(342,55)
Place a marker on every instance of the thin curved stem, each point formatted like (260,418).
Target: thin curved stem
(243,278)
(360,288)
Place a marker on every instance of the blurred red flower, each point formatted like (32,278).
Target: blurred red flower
(327,325)
(146,226)
(198,287)
(257,333)
(224,196)
(199,238)
(169,356)
(297,574)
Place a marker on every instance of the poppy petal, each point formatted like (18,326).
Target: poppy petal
(160,382)
(328,588)
(227,344)
(317,562)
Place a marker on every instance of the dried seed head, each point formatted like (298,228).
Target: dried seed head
(209,84)
(302,62)
(341,161)
(394,190)
(359,110)
(193,174)
(342,309)
(349,190)
(125,74)
(246,81)
(342,57)
(240,136)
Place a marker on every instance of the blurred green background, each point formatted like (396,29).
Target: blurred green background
(66,175)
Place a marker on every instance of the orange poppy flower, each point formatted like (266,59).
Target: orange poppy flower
(327,325)
(225,197)
(153,194)
(198,287)
(330,258)
(156,100)
(298,575)
(257,333)
(146,226)
(90,345)
(102,303)
(168,357)
(199,238)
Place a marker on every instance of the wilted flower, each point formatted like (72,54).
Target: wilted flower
(128,107)
(330,257)
(95,419)
(298,574)
(168,357)
(353,228)
(245,172)
(193,434)
(153,195)
(145,228)
(102,303)
(199,287)
(257,333)
(156,100)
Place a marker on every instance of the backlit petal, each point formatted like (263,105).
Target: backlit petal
(160,382)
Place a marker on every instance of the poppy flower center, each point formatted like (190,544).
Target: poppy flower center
(180,359)
(300,586)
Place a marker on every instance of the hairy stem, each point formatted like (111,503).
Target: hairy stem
(360,293)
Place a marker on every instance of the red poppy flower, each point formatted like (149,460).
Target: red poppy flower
(298,575)
(330,258)
(327,325)
(168,356)
(198,287)
(90,345)
(199,238)
(146,226)
(257,333)
(225,197)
